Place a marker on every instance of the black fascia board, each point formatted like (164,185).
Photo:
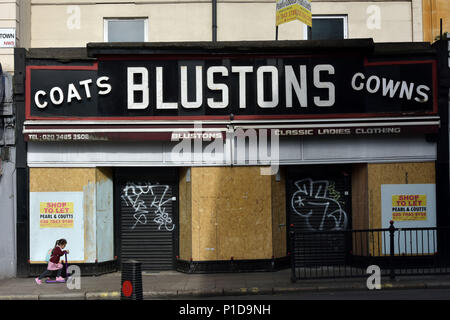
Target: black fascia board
(230,47)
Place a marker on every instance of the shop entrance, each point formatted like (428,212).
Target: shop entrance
(318,203)
(147,216)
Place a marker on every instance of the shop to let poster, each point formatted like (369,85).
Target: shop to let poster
(53,216)
(409,206)
(56,214)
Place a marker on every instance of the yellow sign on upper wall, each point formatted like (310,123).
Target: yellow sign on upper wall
(288,10)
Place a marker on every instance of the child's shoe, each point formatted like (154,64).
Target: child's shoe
(60,279)
(38,281)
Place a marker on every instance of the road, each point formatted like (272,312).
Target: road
(385,294)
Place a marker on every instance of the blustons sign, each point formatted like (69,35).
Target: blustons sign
(246,87)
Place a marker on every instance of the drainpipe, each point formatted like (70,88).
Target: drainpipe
(214,20)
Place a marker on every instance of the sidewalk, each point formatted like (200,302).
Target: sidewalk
(172,284)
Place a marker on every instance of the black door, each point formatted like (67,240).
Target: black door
(318,207)
(148,214)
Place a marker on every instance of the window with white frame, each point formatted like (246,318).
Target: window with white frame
(126,30)
(327,27)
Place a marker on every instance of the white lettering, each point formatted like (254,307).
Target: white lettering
(160,104)
(140,87)
(60,94)
(242,71)
(300,89)
(361,85)
(198,88)
(389,87)
(86,84)
(324,85)
(372,79)
(105,86)
(72,92)
(408,90)
(423,94)
(260,86)
(36,99)
(217,86)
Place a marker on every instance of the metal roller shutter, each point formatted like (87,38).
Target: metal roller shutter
(148,223)
(317,204)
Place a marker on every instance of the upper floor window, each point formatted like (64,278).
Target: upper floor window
(126,30)
(327,28)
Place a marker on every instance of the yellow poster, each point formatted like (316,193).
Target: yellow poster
(288,10)
(56,214)
(409,207)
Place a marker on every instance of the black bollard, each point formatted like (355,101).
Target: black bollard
(131,281)
(392,250)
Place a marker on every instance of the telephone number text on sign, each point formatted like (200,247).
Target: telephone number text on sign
(59,137)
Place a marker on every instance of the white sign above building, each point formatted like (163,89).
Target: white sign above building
(7,38)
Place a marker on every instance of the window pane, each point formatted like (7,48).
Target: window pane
(327,29)
(132,30)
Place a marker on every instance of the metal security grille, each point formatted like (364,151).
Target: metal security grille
(319,203)
(147,214)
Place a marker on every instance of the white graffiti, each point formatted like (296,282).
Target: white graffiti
(312,199)
(133,196)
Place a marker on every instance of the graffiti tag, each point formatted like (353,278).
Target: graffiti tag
(312,202)
(133,196)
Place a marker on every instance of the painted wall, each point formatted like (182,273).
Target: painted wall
(8,255)
(386,21)
(14,14)
(73,24)
(278,188)
(104,214)
(185,214)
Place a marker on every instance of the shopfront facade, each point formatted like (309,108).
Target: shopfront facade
(200,157)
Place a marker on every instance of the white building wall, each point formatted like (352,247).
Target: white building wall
(75,23)
(293,150)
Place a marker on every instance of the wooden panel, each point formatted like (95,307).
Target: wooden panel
(231,213)
(360,206)
(360,215)
(60,179)
(432,12)
(394,173)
